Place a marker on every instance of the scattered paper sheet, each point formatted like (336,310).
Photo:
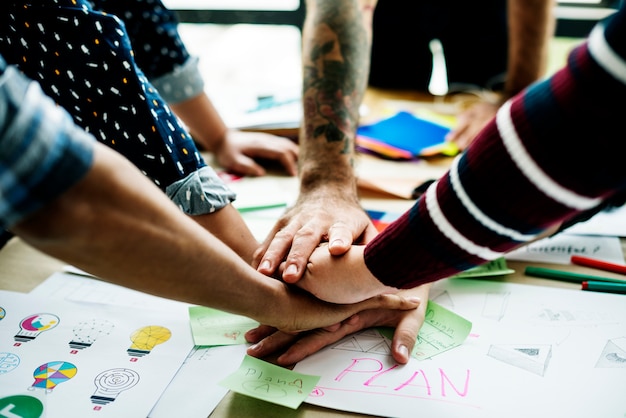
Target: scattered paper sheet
(88,359)
(560,248)
(195,392)
(262,380)
(565,350)
(495,267)
(214,327)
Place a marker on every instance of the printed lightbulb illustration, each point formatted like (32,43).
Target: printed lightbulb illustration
(111,382)
(8,362)
(49,375)
(33,325)
(87,332)
(146,338)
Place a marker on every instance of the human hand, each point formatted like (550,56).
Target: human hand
(303,312)
(470,122)
(341,279)
(296,347)
(236,153)
(324,214)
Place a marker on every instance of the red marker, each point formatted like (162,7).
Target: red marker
(598,264)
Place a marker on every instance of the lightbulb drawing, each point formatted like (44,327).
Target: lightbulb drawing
(146,338)
(87,332)
(8,362)
(3,313)
(33,325)
(111,382)
(49,375)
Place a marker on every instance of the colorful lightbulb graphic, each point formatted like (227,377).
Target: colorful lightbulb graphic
(33,325)
(8,362)
(87,332)
(49,375)
(3,313)
(111,382)
(146,338)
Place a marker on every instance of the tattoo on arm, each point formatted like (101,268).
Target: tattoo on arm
(335,73)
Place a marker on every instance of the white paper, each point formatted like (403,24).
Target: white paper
(560,248)
(195,392)
(112,361)
(610,223)
(533,351)
(90,290)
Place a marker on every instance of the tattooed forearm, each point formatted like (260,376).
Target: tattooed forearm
(336,62)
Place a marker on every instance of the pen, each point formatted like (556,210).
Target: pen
(598,264)
(566,276)
(604,287)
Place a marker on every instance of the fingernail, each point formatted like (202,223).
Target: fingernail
(415,299)
(265,265)
(336,243)
(254,347)
(404,351)
(291,270)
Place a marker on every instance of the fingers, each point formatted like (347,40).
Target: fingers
(405,335)
(245,166)
(316,340)
(388,301)
(339,238)
(257,334)
(273,250)
(271,344)
(305,241)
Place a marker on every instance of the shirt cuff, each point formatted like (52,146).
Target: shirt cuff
(200,193)
(183,83)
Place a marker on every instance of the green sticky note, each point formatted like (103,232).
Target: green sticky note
(495,267)
(441,331)
(214,327)
(262,380)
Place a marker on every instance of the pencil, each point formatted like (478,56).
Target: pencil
(604,287)
(598,264)
(566,276)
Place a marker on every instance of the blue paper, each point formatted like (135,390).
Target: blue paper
(406,132)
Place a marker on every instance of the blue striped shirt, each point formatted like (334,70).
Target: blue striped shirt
(42,152)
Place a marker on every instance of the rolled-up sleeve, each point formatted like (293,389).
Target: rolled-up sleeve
(200,192)
(184,82)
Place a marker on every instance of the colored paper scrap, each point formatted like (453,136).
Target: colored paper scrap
(214,327)
(268,382)
(495,267)
(442,330)
(393,137)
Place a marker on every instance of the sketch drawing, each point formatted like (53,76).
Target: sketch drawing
(534,358)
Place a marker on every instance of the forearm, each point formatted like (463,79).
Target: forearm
(203,121)
(336,53)
(143,241)
(531,26)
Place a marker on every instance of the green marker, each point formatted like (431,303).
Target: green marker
(604,287)
(566,276)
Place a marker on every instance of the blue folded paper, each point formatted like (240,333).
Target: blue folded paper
(405,132)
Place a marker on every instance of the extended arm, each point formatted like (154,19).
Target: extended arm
(531,25)
(336,45)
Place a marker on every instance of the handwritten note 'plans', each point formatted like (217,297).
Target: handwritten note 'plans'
(441,331)
(262,380)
